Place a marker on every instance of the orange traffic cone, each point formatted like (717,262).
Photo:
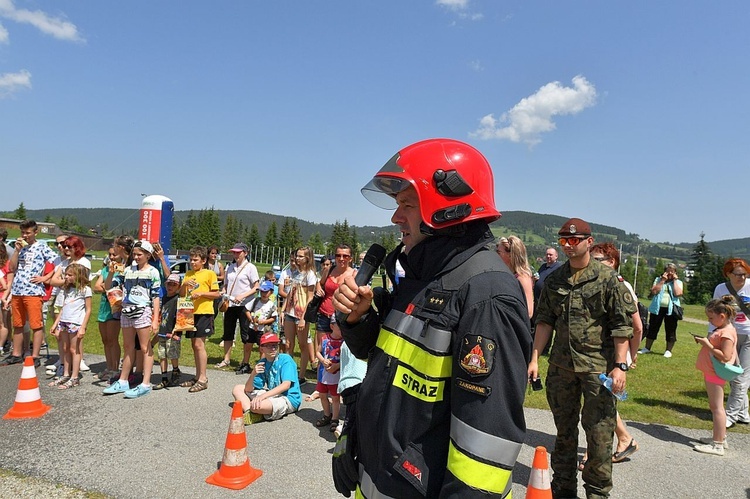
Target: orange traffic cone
(28,402)
(235,471)
(539,482)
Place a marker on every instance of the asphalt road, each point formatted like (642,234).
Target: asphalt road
(167,443)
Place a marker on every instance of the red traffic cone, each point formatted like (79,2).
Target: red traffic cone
(235,471)
(539,481)
(28,402)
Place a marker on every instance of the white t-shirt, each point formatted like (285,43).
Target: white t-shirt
(741,322)
(297,298)
(62,264)
(73,304)
(240,283)
(263,311)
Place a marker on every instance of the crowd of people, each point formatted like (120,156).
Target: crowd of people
(432,371)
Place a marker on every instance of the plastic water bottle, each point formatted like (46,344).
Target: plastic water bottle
(607,382)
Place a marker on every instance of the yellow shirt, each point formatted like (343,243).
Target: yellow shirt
(207,282)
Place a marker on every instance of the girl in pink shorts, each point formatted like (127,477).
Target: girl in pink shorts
(720,344)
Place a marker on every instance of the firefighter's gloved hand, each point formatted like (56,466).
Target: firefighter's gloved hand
(344,465)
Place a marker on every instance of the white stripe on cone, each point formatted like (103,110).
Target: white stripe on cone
(28,372)
(539,479)
(28,395)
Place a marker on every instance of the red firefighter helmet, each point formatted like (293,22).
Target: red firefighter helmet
(453,180)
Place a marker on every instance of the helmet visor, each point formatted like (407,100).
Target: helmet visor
(381,191)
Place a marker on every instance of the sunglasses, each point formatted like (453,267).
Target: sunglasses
(59,243)
(338,255)
(573,241)
(64,246)
(601,258)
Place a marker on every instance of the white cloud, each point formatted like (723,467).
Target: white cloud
(476,65)
(3,34)
(11,82)
(453,4)
(532,116)
(50,25)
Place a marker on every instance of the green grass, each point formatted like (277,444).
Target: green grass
(663,391)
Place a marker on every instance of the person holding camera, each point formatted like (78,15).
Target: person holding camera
(666,292)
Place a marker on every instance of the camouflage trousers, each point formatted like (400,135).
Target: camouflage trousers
(598,418)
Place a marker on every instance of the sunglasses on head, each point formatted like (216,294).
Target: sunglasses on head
(572,240)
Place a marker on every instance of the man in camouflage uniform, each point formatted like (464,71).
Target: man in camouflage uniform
(589,308)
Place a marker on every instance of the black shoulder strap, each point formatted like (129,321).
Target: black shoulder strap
(739,301)
(480,262)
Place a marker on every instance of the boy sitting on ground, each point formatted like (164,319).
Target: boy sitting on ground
(272,390)
(168,338)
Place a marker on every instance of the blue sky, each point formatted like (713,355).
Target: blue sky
(631,114)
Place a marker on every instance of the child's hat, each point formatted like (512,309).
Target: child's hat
(269,338)
(266,286)
(174,278)
(145,246)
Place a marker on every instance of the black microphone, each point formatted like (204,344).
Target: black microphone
(370,263)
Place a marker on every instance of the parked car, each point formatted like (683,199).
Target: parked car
(179,267)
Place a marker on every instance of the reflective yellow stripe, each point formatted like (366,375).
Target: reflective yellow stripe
(434,366)
(417,386)
(477,474)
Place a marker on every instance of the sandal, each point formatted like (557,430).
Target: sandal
(324,421)
(189,383)
(313,396)
(199,386)
(334,424)
(223,365)
(69,384)
(58,380)
(629,450)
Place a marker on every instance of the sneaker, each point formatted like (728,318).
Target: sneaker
(644,350)
(667,354)
(37,363)
(138,391)
(10,360)
(243,369)
(302,381)
(250,418)
(714,448)
(53,367)
(710,441)
(118,386)
(84,367)
(730,422)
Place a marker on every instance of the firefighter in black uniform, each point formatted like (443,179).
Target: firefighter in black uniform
(440,411)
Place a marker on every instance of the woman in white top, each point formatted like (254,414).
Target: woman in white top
(736,271)
(513,252)
(303,281)
(240,284)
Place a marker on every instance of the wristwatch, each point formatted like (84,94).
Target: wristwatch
(622,366)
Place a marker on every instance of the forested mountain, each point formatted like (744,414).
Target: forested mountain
(536,230)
